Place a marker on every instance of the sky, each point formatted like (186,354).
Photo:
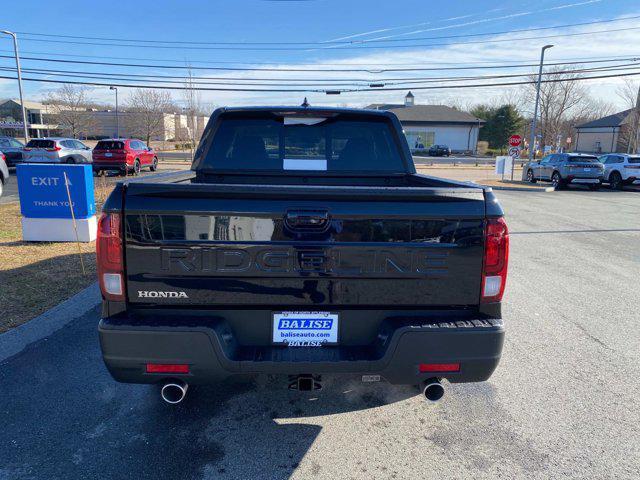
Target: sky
(307,35)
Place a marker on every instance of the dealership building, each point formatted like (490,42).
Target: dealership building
(426,125)
(42,122)
(39,120)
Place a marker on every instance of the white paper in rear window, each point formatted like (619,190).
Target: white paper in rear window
(318,164)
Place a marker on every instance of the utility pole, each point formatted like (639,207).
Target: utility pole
(532,144)
(634,137)
(24,111)
(117,117)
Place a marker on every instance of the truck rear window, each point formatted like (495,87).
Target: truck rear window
(109,145)
(306,144)
(41,144)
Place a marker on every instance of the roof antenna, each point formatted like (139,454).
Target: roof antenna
(305,104)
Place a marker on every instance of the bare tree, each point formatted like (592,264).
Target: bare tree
(69,107)
(146,109)
(193,110)
(629,93)
(564,103)
(511,96)
(559,100)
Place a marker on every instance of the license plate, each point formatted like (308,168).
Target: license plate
(305,329)
(587,169)
(108,154)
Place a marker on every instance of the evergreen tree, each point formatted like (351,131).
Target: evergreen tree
(501,123)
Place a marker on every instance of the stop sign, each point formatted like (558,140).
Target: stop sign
(515,140)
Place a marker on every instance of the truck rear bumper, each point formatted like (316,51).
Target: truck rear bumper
(213,355)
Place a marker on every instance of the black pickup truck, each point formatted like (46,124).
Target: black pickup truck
(302,242)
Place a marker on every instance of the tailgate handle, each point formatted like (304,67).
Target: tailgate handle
(307,219)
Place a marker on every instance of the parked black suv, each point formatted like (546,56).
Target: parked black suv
(12,149)
(439,151)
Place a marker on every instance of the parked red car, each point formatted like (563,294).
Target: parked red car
(125,155)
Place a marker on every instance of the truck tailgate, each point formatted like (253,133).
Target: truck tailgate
(256,246)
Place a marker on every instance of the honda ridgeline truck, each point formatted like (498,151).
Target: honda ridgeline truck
(302,242)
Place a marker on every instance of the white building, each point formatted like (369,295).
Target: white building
(426,125)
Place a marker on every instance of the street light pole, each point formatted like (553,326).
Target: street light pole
(24,111)
(532,144)
(117,117)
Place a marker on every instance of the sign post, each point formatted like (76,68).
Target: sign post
(504,165)
(47,213)
(515,144)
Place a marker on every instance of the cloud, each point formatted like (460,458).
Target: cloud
(603,45)
(488,20)
(413,25)
(459,25)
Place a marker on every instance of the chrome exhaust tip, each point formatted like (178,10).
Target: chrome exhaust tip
(174,392)
(432,389)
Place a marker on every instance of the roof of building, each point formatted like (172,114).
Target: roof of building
(27,103)
(614,120)
(426,113)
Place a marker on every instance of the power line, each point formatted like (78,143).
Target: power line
(308,82)
(504,84)
(330,47)
(370,66)
(107,75)
(356,90)
(331,42)
(305,70)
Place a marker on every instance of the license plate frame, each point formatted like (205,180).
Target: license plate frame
(311,325)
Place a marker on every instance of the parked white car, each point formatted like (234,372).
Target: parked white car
(4,172)
(621,169)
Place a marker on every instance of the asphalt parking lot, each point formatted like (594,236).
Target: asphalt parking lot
(563,403)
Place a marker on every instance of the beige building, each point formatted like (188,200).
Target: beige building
(42,122)
(610,134)
(169,126)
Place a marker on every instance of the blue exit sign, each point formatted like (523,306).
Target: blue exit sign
(43,193)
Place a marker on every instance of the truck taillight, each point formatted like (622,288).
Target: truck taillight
(496,259)
(109,257)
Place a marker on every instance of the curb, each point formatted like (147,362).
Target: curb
(520,189)
(17,339)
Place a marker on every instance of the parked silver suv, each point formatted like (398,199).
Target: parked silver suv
(56,150)
(563,169)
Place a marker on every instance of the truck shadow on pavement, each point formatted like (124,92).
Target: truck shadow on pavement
(63,416)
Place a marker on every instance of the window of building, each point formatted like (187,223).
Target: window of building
(420,139)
